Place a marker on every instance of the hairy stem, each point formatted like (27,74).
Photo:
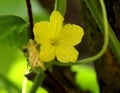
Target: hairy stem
(37,82)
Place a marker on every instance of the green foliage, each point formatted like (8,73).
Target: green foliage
(13,7)
(12,62)
(13,30)
(20,65)
(10,86)
(8,57)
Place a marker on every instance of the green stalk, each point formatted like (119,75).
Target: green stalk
(37,82)
(60,5)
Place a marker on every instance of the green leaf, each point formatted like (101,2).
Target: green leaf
(13,30)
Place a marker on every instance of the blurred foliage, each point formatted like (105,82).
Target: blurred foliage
(86,78)
(13,65)
(12,61)
(14,7)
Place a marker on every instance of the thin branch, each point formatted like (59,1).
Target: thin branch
(29,9)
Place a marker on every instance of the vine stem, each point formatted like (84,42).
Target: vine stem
(106,35)
(29,9)
(113,40)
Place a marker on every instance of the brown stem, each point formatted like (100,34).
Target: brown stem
(29,9)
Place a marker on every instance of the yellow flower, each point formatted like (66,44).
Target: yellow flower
(57,40)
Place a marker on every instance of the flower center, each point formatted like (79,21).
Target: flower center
(54,42)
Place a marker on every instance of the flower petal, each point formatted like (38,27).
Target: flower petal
(66,54)
(71,34)
(41,32)
(47,53)
(56,21)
